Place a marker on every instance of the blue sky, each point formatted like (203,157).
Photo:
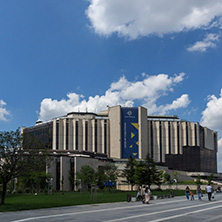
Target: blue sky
(59,56)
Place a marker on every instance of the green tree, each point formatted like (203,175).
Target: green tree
(19,155)
(198,180)
(175,175)
(166,177)
(129,172)
(140,173)
(210,178)
(146,172)
(106,173)
(87,175)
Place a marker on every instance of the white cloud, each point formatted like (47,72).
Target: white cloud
(212,115)
(212,118)
(131,19)
(122,92)
(208,42)
(3,111)
(181,102)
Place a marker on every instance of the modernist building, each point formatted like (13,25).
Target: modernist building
(113,135)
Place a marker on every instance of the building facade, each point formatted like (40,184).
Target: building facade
(119,132)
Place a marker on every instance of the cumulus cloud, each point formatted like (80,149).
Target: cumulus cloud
(124,93)
(4,113)
(212,115)
(208,42)
(131,19)
(181,102)
(212,118)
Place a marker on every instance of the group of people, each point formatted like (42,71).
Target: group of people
(144,194)
(190,194)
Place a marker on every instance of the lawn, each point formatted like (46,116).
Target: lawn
(17,202)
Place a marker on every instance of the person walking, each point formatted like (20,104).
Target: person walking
(147,195)
(191,195)
(187,192)
(209,190)
(199,192)
(139,195)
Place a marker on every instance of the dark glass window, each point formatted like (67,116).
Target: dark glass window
(71,174)
(160,136)
(57,174)
(86,136)
(42,133)
(57,135)
(77,135)
(96,135)
(169,135)
(67,134)
(195,134)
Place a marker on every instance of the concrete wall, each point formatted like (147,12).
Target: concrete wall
(115,131)
(143,139)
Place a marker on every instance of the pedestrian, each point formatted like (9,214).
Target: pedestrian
(187,192)
(191,195)
(147,195)
(199,192)
(209,190)
(139,195)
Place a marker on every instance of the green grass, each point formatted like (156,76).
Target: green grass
(17,202)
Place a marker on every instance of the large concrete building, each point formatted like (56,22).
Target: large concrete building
(81,138)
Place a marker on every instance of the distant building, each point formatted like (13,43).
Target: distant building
(81,138)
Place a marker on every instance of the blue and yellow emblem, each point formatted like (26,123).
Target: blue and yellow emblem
(130,132)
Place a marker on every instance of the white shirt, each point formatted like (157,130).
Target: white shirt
(209,189)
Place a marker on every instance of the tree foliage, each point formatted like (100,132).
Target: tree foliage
(129,172)
(142,172)
(19,156)
(104,173)
(86,175)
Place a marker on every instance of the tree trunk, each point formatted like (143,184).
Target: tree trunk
(4,189)
(131,187)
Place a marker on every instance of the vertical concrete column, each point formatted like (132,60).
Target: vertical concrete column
(108,138)
(93,135)
(149,136)
(54,134)
(174,137)
(102,136)
(192,134)
(115,131)
(183,134)
(156,141)
(74,135)
(165,138)
(143,140)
